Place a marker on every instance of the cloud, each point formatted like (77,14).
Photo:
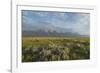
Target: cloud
(78,22)
(83,24)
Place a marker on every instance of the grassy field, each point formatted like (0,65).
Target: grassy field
(35,49)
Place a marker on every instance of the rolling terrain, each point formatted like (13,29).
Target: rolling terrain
(35,49)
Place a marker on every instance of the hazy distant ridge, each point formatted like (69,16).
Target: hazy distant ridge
(43,33)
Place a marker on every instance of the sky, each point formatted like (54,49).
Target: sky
(74,21)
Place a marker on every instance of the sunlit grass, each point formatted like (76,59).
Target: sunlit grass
(54,49)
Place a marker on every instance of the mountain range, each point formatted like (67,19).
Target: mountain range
(48,30)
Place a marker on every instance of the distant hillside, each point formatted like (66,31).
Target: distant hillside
(42,33)
(47,30)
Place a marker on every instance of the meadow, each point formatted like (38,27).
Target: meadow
(37,49)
